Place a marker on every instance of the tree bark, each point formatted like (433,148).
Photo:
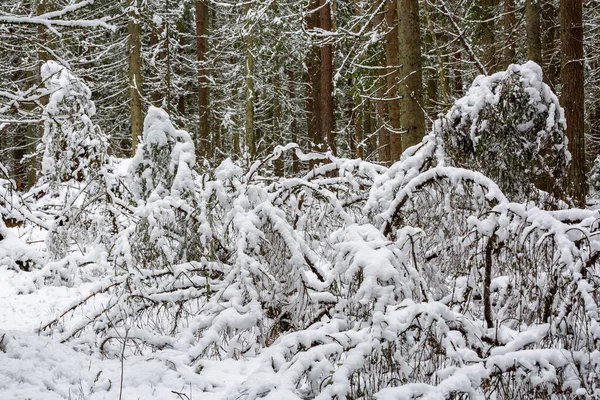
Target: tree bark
(326,103)
(394,140)
(313,62)
(294,123)
(593,142)
(134,26)
(382,108)
(534,42)
(203,143)
(412,118)
(550,53)
(509,25)
(572,96)
(358,119)
(276,138)
(487,34)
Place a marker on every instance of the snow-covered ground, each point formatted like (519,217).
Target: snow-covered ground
(41,368)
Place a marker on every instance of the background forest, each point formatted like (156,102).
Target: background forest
(242,77)
(299,199)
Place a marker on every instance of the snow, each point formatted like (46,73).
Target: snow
(41,368)
(148,278)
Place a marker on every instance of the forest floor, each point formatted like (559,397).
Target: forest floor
(37,367)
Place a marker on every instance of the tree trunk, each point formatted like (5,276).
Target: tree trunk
(572,96)
(181,52)
(203,143)
(391,59)
(593,96)
(412,118)
(383,137)
(509,25)
(457,75)
(34,131)
(534,43)
(550,53)
(250,94)
(313,62)
(134,26)
(294,123)
(359,131)
(327,120)
(487,34)
(156,95)
(369,129)
(167,49)
(276,138)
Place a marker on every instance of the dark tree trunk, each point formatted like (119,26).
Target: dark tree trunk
(202,21)
(509,40)
(135,73)
(550,51)
(326,103)
(313,62)
(534,42)
(391,56)
(412,117)
(572,96)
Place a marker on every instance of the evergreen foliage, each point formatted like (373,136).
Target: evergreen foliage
(510,127)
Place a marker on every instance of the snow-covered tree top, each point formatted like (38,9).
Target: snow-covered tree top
(484,92)
(510,126)
(165,157)
(63,86)
(73,146)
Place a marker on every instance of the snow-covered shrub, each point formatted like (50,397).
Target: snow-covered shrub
(164,158)
(467,294)
(163,184)
(424,280)
(510,127)
(252,273)
(15,254)
(73,189)
(356,281)
(73,147)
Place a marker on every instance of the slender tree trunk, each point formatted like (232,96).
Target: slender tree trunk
(326,103)
(381,109)
(294,123)
(369,128)
(359,131)
(457,78)
(351,118)
(156,91)
(167,49)
(550,53)
(135,72)
(412,118)
(34,131)
(277,134)
(593,142)
(572,96)
(313,62)
(383,137)
(509,25)
(430,78)
(203,143)
(181,40)
(391,59)
(534,42)
(439,40)
(250,93)
(487,34)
